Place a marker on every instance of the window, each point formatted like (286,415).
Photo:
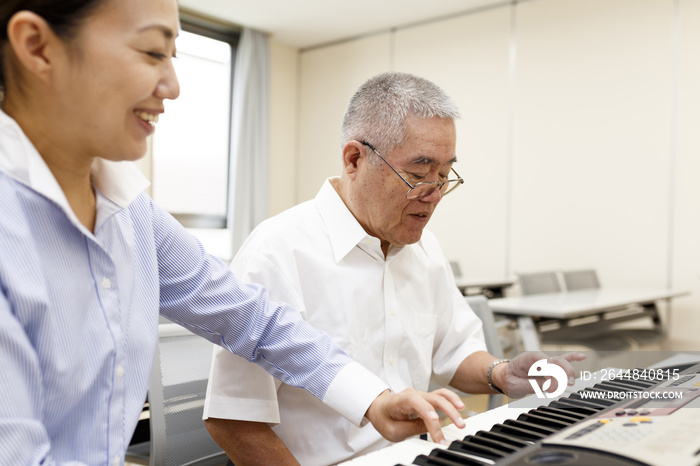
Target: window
(190,171)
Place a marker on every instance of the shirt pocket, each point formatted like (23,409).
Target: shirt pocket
(421,359)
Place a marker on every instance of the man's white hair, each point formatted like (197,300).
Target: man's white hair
(377,112)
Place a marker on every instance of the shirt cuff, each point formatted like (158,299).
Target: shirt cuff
(352,392)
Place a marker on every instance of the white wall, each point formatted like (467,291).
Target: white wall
(578,142)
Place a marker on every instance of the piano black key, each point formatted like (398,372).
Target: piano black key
(462,458)
(519,432)
(472,448)
(590,399)
(498,445)
(563,417)
(616,397)
(641,384)
(592,408)
(567,405)
(544,420)
(618,386)
(425,460)
(563,412)
(504,438)
(635,384)
(531,426)
(446,458)
(616,394)
(606,388)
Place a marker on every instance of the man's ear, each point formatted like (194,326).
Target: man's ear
(353,152)
(32,41)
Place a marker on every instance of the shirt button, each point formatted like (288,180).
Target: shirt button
(106,283)
(392,313)
(391,361)
(117,461)
(119,371)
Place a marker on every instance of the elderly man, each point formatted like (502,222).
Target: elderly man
(357,263)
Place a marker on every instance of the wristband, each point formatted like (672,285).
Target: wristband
(488,374)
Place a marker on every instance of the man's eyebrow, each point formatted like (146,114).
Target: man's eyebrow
(425,160)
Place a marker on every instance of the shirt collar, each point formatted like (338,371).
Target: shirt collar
(120,182)
(344,231)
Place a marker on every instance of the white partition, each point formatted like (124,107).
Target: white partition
(329,77)
(686,216)
(591,141)
(468,57)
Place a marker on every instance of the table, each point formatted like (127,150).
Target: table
(489,287)
(570,305)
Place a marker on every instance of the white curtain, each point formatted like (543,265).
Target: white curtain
(249,133)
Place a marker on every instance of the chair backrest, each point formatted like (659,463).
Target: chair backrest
(539,282)
(176,400)
(581,279)
(456,269)
(481,308)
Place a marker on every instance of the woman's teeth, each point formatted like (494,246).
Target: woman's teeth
(151,118)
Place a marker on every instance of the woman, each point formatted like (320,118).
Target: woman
(87,260)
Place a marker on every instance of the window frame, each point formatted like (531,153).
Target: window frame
(226,33)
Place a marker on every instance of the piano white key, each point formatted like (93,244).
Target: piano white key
(403,452)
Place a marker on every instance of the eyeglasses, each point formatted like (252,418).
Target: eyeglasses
(424,188)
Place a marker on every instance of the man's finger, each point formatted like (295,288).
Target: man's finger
(564,361)
(450,396)
(425,405)
(434,426)
(575,356)
(449,403)
(425,410)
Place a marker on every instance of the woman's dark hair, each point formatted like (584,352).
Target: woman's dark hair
(63,16)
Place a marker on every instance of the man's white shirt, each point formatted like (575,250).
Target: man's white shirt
(402,317)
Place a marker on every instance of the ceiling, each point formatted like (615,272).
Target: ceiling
(307,23)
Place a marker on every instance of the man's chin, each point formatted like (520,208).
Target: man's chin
(405,241)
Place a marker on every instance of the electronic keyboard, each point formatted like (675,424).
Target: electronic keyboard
(629,417)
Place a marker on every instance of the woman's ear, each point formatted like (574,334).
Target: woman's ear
(32,42)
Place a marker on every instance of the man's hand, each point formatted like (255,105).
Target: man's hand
(515,377)
(411,412)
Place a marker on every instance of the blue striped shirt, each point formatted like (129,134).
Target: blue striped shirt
(79,314)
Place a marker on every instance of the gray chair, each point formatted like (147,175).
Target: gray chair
(176,400)
(580,279)
(456,269)
(480,306)
(539,282)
